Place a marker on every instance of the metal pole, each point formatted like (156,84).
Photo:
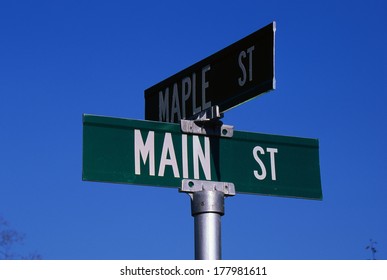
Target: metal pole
(207,197)
(207,208)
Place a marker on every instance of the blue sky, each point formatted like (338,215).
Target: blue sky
(60,59)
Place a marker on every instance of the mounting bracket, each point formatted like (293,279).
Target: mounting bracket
(191,186)
(208,123)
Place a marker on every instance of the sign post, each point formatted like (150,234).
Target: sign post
(224,80)
(200,155)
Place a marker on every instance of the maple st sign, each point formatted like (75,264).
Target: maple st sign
(227,78)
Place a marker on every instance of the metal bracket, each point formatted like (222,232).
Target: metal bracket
(198,127)
(212,113)
(207,122)
(191,186)
(207,207)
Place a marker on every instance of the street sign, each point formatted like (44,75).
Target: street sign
(151,153)
(227,78)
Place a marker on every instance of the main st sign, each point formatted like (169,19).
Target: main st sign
(159,154)
(227,78)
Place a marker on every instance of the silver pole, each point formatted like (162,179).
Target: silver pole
(207,208)
(207,197)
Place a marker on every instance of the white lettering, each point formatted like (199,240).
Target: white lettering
(168,149)
(241,57)
(205,84)
(256,157)
(185,92)
(145,150)
(203,158)
(195,109)
(184,151)
(164,106)
(272,152)
(250,52)
(198,158)
(175,104)
(242,80)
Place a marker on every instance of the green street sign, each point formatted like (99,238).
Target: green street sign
(118,150)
